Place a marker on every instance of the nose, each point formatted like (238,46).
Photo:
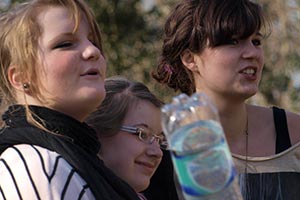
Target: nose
(91,52)
(251,51)
(154,149)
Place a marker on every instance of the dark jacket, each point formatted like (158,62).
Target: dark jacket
(162,185)
(73,140)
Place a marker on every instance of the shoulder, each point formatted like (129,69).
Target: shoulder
(31,156)
(293,121)
(266,116)
(260,115)
(31,171)
(259,109)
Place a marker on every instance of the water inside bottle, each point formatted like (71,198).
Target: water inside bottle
(201,158)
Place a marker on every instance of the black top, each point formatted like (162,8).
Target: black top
(279,185)
(283,141)
(76,142)
(162,185)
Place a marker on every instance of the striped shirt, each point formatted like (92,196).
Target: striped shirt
(32,172)
(141,196)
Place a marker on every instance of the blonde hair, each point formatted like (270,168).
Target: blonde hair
(19,35)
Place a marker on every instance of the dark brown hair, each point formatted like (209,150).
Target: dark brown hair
(197,24)
(121,94)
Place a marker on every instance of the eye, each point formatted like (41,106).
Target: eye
(144,134)
(63,45)
(93,41)
(161,137)
(256,42)
(164,144)
(163,141)
(233,41)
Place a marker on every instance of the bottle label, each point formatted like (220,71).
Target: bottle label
(201,158)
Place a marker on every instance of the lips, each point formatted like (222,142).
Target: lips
(146,164)
(147,167)
(91,72)
(249,71)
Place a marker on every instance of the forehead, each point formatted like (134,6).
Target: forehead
(57,20)
(58,13)
(141,106)
(143,112)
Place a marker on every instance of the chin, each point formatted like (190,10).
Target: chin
(96,97)
(252,92)
(95,103)
(141,184)
(91,102)
(141,188)
(246,96)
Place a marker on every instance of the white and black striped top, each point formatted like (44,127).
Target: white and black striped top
(32,172)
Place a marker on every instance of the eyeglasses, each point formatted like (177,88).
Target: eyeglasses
(146,136)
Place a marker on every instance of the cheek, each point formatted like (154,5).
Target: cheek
(60,65)
(60,69)
(118,151)
(262,59)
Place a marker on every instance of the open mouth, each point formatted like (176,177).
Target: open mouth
(249,71)
(92,72)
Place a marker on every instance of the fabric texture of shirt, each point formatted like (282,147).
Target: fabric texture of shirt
(33,172)
(275,177)
(75,142)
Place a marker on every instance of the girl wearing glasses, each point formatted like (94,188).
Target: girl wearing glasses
(129,128)
(52,77)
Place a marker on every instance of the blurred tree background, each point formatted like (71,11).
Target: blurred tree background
(132,32)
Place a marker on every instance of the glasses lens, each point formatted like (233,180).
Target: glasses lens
(163,142)
(145,135)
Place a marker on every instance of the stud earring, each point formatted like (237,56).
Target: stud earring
(26,86)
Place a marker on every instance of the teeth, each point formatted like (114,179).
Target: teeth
(249,71)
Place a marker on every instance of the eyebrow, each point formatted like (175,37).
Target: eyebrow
(57,38)
(145,125)
(259,34)
(141,124)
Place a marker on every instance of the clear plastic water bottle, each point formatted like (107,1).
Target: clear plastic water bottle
(199,150)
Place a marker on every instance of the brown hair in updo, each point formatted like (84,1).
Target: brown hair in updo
(197,24)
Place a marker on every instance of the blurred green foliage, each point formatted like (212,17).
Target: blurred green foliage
(132,42)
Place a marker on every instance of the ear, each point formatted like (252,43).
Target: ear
(15,78)
(188,59)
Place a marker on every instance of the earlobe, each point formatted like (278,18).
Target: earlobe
(188,59)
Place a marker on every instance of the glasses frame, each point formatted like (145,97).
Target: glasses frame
(163,144)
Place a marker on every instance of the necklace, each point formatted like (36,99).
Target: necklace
(246,149)
(246,158)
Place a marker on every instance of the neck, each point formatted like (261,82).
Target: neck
(234,118)
(232,113)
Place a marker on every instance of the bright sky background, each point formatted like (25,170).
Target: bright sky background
(148,4)
(5,3)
